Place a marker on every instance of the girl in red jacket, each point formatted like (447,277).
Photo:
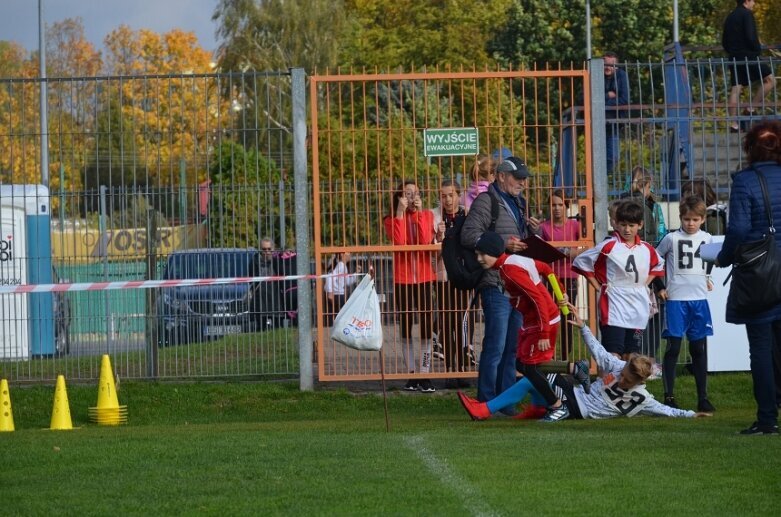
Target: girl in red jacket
(413,276)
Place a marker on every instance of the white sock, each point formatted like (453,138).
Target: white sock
(406,353)
(425,357)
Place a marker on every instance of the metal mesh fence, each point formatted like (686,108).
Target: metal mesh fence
(145,173)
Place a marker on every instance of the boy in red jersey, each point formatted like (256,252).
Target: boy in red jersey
(522,281)
(620,269)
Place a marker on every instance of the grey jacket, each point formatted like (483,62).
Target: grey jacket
(479,219)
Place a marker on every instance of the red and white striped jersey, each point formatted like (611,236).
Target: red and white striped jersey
(522,280)
(623,270)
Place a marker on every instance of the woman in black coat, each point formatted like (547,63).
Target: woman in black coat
(748,222)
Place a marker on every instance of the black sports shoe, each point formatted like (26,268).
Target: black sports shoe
(669,400)
(581,374)
(411,385)
(757,428)
(425,386)
(705,406)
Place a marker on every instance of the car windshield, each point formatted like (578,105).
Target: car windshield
(224,264)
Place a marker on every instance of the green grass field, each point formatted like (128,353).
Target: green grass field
(268,449)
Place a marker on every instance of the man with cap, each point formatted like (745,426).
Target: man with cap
(496,372)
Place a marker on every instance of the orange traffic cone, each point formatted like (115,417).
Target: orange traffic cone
(6,411)
(61,412)
(108,411)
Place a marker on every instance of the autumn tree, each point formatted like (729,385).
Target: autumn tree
(279,34)
(19,117)
(172,118)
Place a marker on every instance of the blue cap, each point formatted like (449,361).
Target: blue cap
(501,154)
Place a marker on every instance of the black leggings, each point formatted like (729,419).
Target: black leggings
(565,390)
(414,300)
(699,365)
(538,380)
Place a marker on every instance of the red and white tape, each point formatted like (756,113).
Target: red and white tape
(152,284)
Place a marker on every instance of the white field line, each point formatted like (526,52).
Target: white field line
(471,498)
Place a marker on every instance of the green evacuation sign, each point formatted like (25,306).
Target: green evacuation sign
(450,141)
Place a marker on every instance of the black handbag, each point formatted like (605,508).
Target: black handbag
(756,269)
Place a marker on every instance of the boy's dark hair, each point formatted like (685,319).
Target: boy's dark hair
(559,193)
(629,211)
(693,204)
(451,183)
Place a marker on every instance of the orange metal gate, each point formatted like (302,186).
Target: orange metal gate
(368,137)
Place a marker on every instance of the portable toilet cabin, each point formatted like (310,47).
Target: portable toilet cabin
(26,320)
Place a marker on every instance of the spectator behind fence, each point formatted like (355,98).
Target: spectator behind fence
(497,360)
(641,190)
(716,213)
(616,94)
(741,42)
(561,228)
(454,323)
(482,175)
(413,277)
(336,285)
(748,222)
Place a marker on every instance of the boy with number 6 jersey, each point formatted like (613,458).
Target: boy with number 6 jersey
(688,314)
(620,269)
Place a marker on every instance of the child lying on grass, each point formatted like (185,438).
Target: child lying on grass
(620,391)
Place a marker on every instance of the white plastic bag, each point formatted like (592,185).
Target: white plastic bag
(358,323)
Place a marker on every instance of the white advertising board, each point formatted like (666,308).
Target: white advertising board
(728,347)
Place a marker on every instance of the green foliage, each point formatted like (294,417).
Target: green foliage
(278,34)
(238,177)
(637,30)
(531,35)
(387,34)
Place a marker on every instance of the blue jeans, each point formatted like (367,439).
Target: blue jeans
(612,147)
(760,346)
(497,360)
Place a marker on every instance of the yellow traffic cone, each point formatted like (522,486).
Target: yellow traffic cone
(108,411)
(61,413)
(6,411)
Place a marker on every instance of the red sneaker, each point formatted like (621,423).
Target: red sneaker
(532,412)
(477,410)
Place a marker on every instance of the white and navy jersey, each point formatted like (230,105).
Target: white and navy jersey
(623,270)
(685,269)
(608,400)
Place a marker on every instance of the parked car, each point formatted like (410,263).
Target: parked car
(199,313)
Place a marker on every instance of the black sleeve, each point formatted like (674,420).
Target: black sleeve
(658,284)
(750,28)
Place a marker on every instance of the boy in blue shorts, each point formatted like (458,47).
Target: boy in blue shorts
(688,314)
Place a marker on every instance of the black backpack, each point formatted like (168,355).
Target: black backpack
(463,269)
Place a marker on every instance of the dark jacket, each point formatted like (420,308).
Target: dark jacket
(618,83)
(479,219)
(747,222)
(739,37)
(654,227)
